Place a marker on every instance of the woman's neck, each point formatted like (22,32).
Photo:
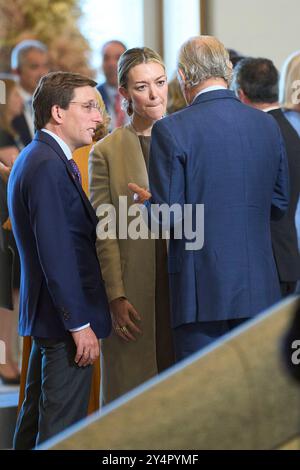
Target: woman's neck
(142,126)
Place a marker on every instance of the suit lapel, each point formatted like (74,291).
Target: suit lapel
(46,138)
(135,159)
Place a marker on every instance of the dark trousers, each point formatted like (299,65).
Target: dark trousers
(287,288)
(191,337)
(56,394)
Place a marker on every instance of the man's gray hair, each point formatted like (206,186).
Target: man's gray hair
(20,51)
(204,57)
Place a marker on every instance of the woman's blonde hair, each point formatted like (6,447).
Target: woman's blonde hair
(289,82)
(5,124)
(102,128)
(176,100)
(129,59)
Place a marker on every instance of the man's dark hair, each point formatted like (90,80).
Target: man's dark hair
(234,56)
(258,78)
(56,88)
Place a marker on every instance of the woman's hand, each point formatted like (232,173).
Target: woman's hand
(7,225)
(8,155)
(124,318)
(4,172)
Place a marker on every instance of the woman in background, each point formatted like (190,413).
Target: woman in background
(289,90)
(134,271)
(289,100)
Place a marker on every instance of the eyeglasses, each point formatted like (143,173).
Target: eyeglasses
(88,106)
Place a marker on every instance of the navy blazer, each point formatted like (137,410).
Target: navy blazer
(231,158)
(55,230)
(21,127)
(102,90)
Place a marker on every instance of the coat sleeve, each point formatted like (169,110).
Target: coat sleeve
(280,199)
(166,167)
(166,179)
(107,249)
(45,196)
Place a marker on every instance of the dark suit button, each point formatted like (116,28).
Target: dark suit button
(66,315)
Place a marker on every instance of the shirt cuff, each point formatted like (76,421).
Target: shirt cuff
(80,327)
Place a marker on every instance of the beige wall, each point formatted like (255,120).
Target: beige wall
(153,21)
(265,28)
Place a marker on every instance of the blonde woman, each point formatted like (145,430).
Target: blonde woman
(289,99)
(134,271)
(289,90)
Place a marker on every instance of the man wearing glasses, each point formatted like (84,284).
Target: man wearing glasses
(63,305)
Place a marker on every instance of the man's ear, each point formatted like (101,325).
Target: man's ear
(243,97)
(56,113)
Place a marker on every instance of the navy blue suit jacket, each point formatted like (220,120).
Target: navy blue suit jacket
(103,93)
(55,230)
(231,158)
(21,127)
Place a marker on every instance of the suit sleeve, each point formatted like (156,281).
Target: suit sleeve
(48,210)
(280,199)
(108,250)
(166,175)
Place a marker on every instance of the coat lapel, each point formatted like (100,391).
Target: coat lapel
(135,159)
(46,138)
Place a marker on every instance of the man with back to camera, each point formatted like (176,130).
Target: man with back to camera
(63,304)
(255,82)
(230,158)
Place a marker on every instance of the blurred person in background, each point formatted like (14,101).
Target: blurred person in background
(176,99)
(255,82)
(10,146)
(111,52)
(289,99)
(29,62)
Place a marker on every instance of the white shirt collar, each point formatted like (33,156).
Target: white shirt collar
(210,88)
(65,148)
(270,108)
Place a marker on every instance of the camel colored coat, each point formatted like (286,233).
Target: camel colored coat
(128,266)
